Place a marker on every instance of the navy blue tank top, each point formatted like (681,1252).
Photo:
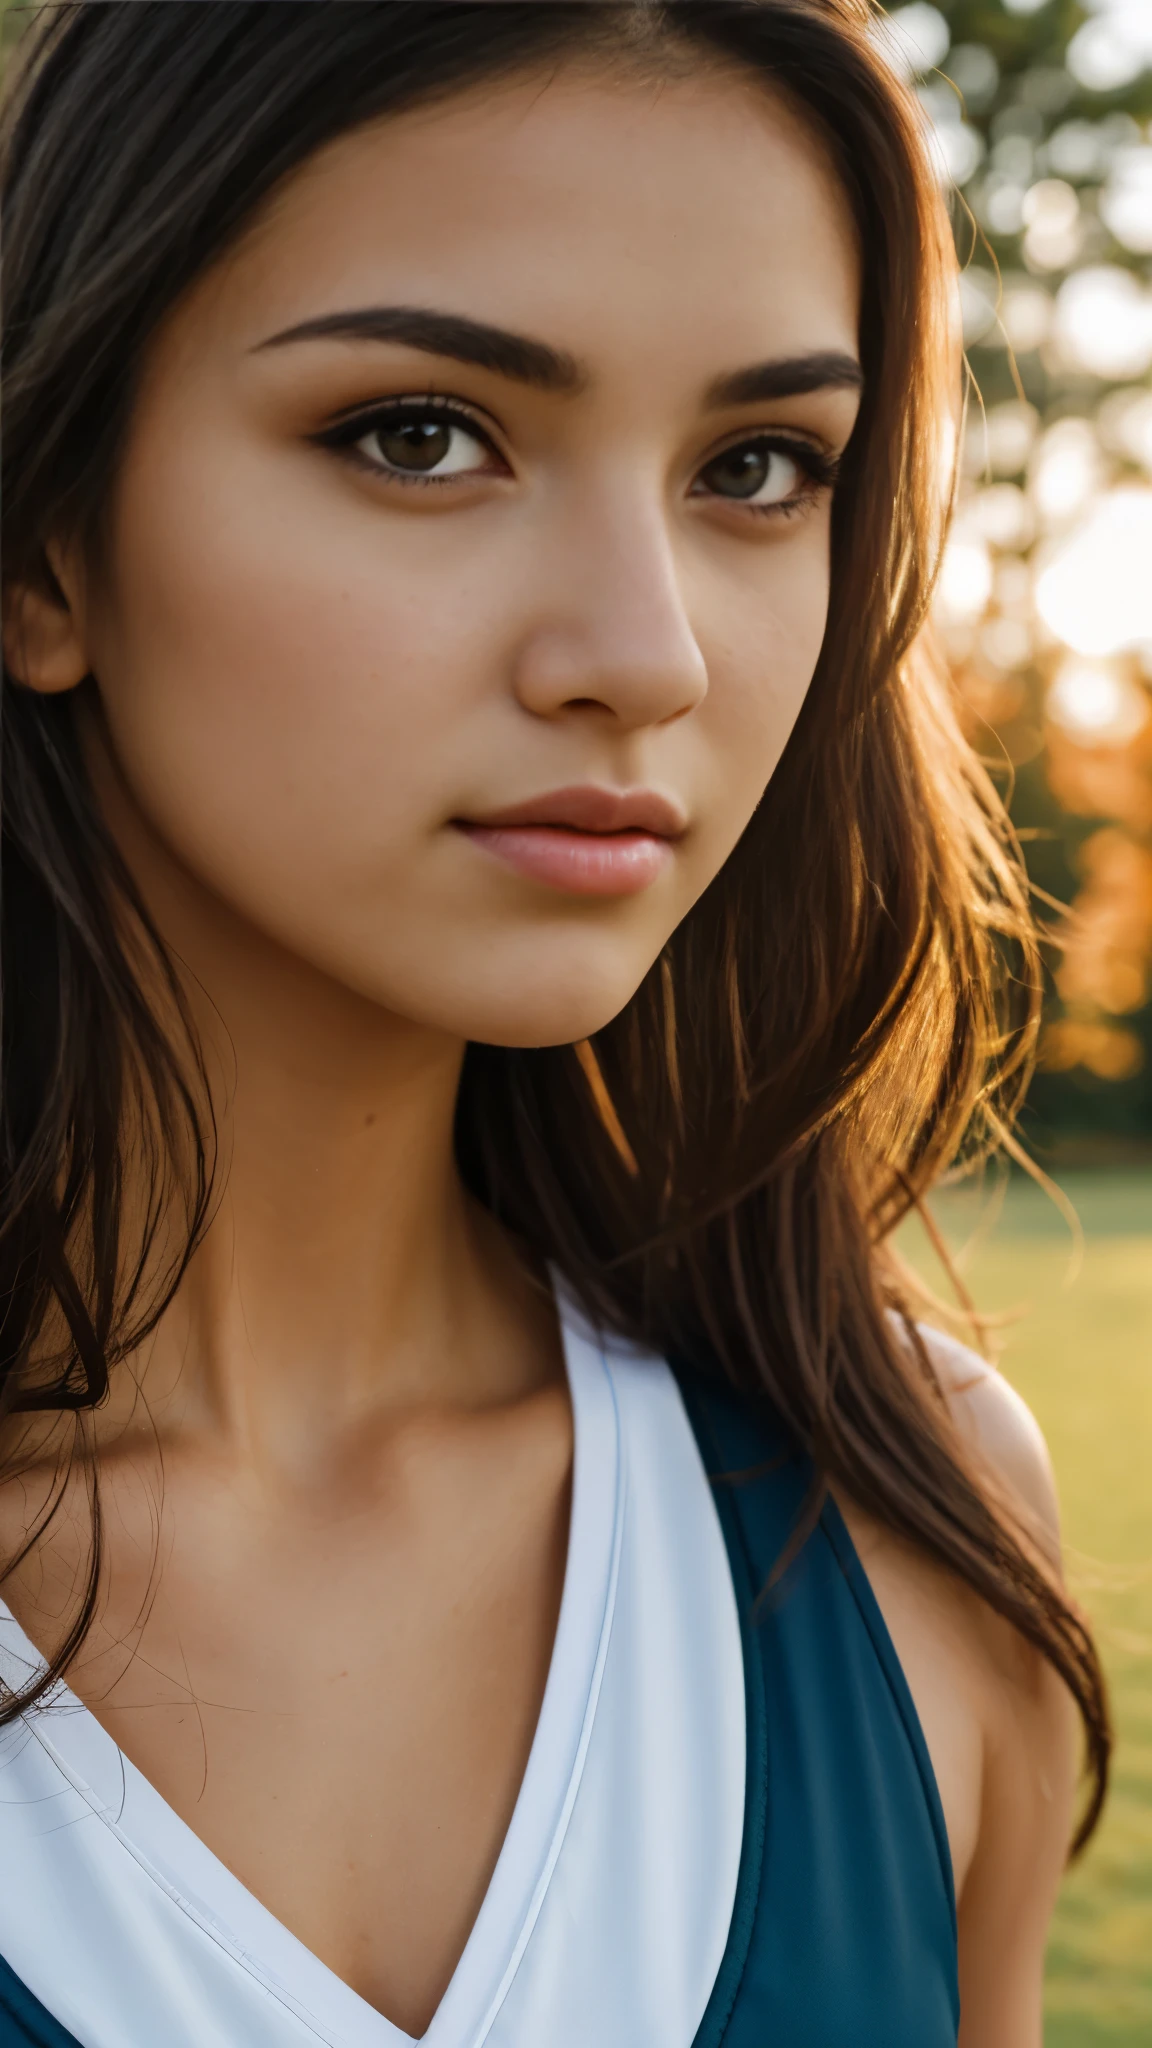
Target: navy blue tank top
(843,1933)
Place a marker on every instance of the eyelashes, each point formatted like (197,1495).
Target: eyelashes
(416,441)
(435,441)
(765,472)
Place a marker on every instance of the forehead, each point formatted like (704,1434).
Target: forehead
(602,212)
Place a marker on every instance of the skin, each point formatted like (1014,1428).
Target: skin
(351,1428)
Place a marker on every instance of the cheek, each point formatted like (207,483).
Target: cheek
(283,693)
(763,643)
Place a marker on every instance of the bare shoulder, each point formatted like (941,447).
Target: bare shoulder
(1012,1837)
(1002,1430)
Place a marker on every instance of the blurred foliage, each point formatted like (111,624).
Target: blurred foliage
(1042,121)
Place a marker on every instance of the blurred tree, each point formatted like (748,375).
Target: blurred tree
(1041,117)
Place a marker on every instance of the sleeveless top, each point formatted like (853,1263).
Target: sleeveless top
(728,1833)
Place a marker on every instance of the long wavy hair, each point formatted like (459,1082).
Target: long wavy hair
(849,1008)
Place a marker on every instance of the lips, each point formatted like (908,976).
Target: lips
(588,807)
(586,840)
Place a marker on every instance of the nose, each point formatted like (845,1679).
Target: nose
(615,637)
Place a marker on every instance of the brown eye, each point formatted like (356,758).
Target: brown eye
(404,444)
(753,473)
(419,444)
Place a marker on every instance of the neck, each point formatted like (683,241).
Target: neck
(345,1275)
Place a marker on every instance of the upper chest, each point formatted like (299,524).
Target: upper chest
(264,1661)
(610,1903)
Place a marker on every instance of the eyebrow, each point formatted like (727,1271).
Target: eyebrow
(526,361)
(788,377)
(447,334)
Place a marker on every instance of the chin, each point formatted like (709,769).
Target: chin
(545,1009)
(544,1023)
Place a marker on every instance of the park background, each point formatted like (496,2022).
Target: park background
(1040,119)
(1040,115)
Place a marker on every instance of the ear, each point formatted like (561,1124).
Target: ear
(44,643)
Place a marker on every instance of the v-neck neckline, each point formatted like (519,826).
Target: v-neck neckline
(150,1830)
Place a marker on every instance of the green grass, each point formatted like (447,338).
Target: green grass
(1079,1348)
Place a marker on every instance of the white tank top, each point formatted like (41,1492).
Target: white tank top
(607,1914)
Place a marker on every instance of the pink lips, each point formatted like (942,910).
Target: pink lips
(587,840)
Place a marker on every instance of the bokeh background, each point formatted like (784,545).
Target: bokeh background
(1040,120)
(1040,114)
(1040,117)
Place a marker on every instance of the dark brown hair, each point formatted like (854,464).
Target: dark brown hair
(850,1005)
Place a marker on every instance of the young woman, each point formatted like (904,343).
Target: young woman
(498,925)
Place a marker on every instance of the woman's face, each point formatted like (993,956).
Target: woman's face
(468,563)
